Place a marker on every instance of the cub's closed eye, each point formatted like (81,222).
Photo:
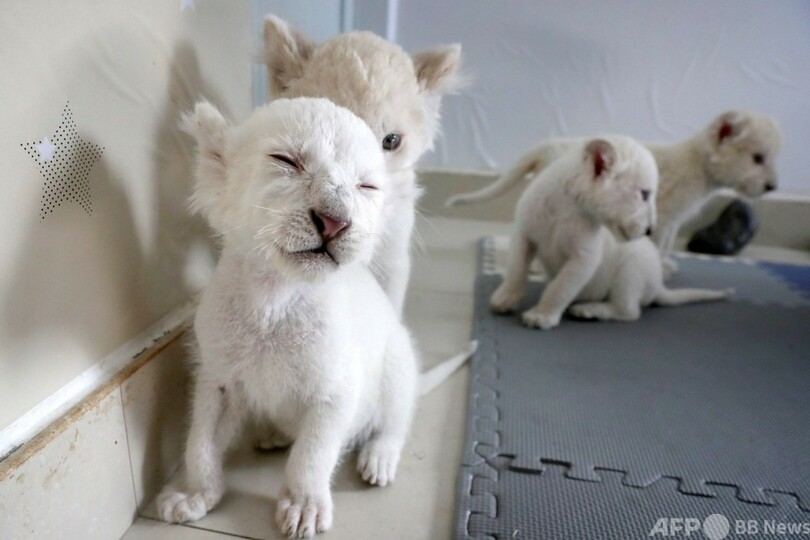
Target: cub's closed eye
(645,194)
(759,159)
(392,142)
(287,160)
(368,186)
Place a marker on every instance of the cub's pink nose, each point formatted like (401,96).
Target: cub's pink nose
(328,226)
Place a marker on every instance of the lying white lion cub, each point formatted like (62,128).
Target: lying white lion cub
(292,327)
(737,150)
(564,217)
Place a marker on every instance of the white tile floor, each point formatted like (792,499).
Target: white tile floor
(419,505)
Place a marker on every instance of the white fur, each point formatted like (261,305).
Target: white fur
(393,93)
(304,340)
(690,171)
(570,217)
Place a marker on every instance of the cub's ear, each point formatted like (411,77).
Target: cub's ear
(286,51)
(601,155)
(437,69)
(210,129)
(728,126)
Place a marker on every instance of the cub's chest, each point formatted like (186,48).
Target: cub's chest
(278,354)
(246,331)
(281,333)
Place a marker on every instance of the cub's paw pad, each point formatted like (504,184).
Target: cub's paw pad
(178,507)
(377,463)
(534,318)
(304,516)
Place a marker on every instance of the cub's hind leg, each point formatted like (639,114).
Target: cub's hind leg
(604,311)
(665,240)
(623,303)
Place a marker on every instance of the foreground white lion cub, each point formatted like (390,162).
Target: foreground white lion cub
(292,327)
(737,150)
(398,96)
(564,217)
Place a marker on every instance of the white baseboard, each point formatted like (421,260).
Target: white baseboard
(784,217)
(71,394)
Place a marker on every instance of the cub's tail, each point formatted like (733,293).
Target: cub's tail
(438,374)
(676,297)
(529,165)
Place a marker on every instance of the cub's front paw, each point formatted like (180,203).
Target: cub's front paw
(504,300)
(534,318)
(377,462)
(179,507)
(301,516)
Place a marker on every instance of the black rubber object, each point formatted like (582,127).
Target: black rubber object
(733,229)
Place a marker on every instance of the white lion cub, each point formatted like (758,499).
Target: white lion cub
(398,96)
(292,327)
(570,216)
(737,150)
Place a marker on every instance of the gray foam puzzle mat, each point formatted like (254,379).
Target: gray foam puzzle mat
(551,506)
(701,408)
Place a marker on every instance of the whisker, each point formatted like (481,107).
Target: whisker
(377,269)
(271,229)
(421,212)
(269,210)
(419,242)
(231,229)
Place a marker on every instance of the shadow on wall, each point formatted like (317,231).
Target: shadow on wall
(84,284)
(178,232)
(162,436)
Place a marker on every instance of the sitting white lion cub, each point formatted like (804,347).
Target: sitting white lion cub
(564,217)
(737,150)
(293,328)
(398,95)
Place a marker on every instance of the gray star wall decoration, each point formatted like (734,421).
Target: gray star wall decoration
(64,160)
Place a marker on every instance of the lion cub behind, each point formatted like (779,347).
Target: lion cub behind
(570,217)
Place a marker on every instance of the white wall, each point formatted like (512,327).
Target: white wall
(656,70)
(75,286)
(318,19)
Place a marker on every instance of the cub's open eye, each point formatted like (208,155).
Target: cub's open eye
(287,160)
(368,186)
(391,142)
(645,194)
(759,159)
